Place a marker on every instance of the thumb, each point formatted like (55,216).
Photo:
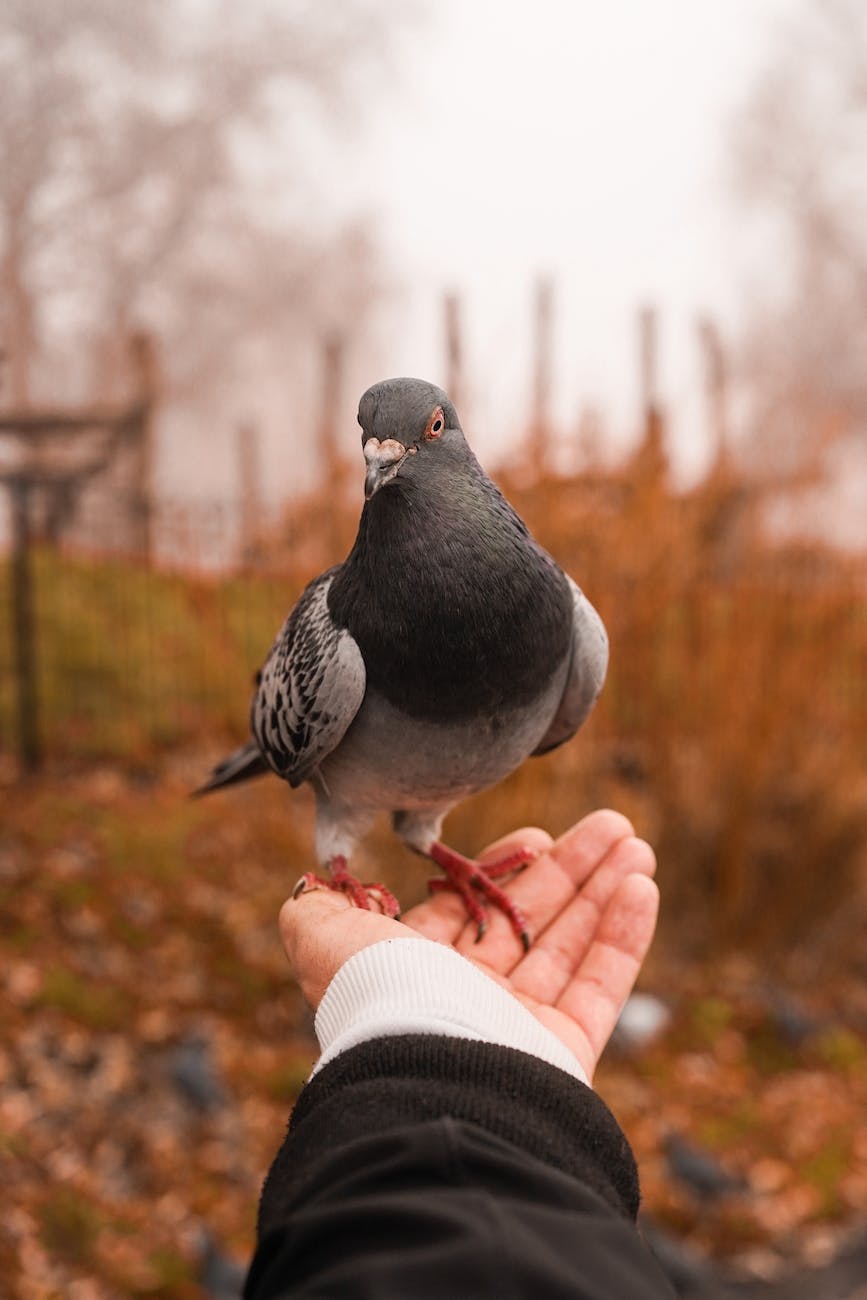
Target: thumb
(321,929)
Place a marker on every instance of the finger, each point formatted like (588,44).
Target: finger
(444,917)
(321,930)
(580,849)
(594,998)
(546,887)
(529,837)
(563,945)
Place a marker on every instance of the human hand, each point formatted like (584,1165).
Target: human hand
(591,905)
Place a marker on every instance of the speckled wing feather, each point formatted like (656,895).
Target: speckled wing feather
(310,688)
(586,672)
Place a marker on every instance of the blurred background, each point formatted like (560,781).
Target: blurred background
(631,241)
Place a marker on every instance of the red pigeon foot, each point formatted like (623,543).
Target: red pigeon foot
(471,879)
(345,883)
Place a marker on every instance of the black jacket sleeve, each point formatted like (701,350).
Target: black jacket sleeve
(422,1166)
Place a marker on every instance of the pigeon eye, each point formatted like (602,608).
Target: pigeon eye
(435,424)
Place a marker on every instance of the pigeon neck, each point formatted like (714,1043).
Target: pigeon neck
(454,606)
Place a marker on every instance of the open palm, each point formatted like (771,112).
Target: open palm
(591,905)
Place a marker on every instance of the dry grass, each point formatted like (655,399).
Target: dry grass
(732,723)
(730,730)
(731,726)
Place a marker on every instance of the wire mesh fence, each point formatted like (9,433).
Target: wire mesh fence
(731,726)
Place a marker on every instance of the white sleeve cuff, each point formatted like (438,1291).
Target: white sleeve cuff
(417,986)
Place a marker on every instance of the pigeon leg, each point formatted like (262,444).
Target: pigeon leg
(475,885)
(345,883)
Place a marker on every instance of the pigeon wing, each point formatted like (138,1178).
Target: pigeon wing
(586,672)
(310,687)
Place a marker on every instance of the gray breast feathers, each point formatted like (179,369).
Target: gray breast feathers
(310,688)
(586,672)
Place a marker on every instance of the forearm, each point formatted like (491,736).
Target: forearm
(390,1083)
(416,1162)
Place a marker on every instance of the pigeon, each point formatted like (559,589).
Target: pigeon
(794,1024)
(195,1075)
(699,1170)
(219,1275)
(447,648)
(689,1272)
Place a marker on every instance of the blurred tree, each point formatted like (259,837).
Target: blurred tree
(154,172)
(800,148)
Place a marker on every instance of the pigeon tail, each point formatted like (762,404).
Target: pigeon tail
(244,764)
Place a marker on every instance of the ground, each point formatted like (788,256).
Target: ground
(153,1044)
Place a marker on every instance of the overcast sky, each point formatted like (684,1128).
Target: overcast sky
(588,142)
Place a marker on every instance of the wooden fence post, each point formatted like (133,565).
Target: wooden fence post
(145,377)
(454,351)
(540,417)
(653,424)
(250,510)
(333,363)
(23,625)
(716,385)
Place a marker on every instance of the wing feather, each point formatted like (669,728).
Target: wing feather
(586,672)
(310,688)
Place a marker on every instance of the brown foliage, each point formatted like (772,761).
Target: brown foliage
(729,730)
(736,703)
(731,724)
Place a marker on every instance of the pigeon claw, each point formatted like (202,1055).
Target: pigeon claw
(307,881)
(357,893)
(344,883)
(474,884)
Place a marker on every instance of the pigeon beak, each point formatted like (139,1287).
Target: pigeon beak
(383,459)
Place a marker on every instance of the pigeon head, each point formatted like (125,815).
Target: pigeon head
(404,424)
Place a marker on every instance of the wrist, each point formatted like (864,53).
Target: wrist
(413,985)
